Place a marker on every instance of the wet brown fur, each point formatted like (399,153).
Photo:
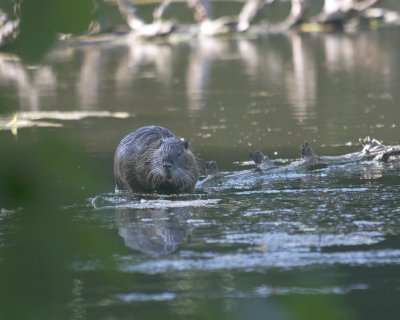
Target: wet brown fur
(154,159)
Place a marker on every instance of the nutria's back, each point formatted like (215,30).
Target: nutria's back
(154,159)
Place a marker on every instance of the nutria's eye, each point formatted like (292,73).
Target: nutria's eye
(162,141)
(186,144)
(179,150)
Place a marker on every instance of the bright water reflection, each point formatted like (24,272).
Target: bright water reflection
(321,82)
(320,244)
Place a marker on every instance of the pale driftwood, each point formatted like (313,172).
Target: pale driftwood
(250,11)
(297,13)
(202,9)
(139,27)
(339,11)
(8,28)
(372,150)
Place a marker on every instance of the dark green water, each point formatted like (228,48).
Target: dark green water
(322,244)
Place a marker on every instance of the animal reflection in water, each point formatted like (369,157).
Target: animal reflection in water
(154,232)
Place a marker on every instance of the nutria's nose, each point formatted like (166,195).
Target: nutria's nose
(167,165)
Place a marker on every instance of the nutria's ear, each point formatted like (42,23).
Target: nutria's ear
(186,144)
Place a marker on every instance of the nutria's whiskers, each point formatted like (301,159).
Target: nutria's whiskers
(154,177)
(182,176)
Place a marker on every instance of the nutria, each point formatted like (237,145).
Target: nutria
(310,159)
(212,169)
(213,176)
(261,160)
(154,159)
(306,151)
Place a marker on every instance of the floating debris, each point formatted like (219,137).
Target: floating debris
(33,119)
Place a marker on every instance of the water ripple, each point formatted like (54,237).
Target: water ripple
(257,261)
(116,201)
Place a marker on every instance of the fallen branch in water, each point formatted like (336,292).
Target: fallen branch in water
(372,150)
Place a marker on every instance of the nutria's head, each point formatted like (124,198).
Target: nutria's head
(257,156)
(211,168)
(306,150)
(172,167)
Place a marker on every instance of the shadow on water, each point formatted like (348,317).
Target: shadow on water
(39,241)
